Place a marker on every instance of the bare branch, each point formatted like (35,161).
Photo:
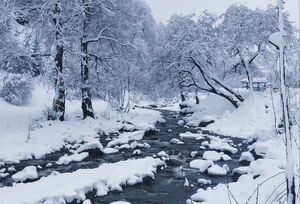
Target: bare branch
(193,80)
(96,38)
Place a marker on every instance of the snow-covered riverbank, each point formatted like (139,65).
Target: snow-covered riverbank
(265,177)
(66,187)
(25,133)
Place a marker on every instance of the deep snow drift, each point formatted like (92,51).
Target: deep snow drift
(254,118)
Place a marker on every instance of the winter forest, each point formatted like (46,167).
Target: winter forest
(101,102)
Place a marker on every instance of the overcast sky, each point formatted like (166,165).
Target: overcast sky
(163,9)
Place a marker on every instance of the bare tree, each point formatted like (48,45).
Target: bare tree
(58,109)
(215,86)
(86,104)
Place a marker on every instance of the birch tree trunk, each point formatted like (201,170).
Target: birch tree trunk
(86,105)
(58,109)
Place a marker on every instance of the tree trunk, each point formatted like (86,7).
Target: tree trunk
(197,98)
(290,174)
(58,109)
(127,108)
(86,105)
(217,87)
(182,96)
(249,76)
(246,64)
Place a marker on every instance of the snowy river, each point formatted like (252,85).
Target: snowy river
(173,184)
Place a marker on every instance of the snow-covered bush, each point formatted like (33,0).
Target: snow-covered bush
(20,65)
(16,89)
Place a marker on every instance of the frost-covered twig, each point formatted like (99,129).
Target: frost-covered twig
(262,184)
(230,193)
(275,190)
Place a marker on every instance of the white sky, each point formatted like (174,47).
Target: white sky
(163,9)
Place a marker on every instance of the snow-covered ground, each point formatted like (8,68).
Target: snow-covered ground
(21,138)
(25,134)
(265,178)
(211,107)
(67,187)
(254,118)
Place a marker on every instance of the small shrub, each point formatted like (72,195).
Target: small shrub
(17,89)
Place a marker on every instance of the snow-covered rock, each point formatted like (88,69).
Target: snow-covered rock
(212,155)
(109,150)
(123,146)
(201,164)
(193,154)
(205,143)
(125,137)
(240,171)
(222,146)
(199,196)
(136,152)
(145,145)
(264,149)
(120,202)
(28,172)
(217,170)
(197,136)
(180,122)
(87,202)
(162,154)
(204,181)
(11,169)
(66,159)
(3,175)
(92,144)
(176,141)
(134,145)
(246,157)
(225,157)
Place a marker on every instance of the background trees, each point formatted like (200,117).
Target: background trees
(114,50)
(102,46)
(213,53)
